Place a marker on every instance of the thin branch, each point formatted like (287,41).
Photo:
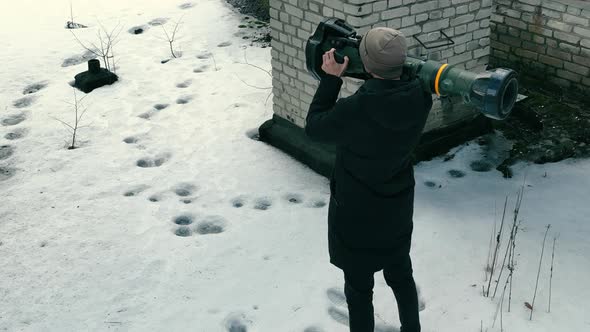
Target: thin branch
(250,85)
(539,271)
(551,277)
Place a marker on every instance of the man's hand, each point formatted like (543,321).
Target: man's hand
(331,67)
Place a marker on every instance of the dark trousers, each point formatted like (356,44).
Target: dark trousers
(358,288)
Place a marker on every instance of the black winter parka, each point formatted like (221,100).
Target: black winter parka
(372,184)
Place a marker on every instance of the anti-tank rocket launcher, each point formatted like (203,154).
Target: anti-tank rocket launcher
(493,92)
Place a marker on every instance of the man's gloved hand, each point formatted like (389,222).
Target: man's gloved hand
(331,67)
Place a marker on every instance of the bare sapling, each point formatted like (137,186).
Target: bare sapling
(551,276)
(79,111)
(107,40)
(497,248)
(171,37)
(268,72)
(539,271)
(490,246)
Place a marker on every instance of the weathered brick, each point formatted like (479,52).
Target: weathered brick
(514,32)
(574,68)
(534,47)
(457,2)
(559,25)
(395,24)
(574,11)
(424,7)
(523,7)
(481,33)
(582,32)
(340,15)
(472,45)
(557,63)
(509,12)
(314,7)
(571,19)
(394,3)
(276,25)
(483,42)
(585,43)
(551,42)
(313,18)
(337,4)
(582,60)
(358,10)
(460,58)
(474,6)
(497,18)
(539,39)
(511,41)
(435,15)
(484,23)
(460,48)
(560,81)
(277,4)
(483,13)
(499,54)
(532,2)
(435,25)
(557,53)
(586,81)
(394,13)
(554,5)
(569,76)
(411,30)
(540,30)
(472,26)
(380,6)
(327,11)
(357,21)
(408,20)
(462,19)
(568,37)
(480,52)
(552,14)
(515,23)
(462,10)
(461,29)
(448,12)
(527,54)
(421,17)
(273,13)
(526,36)
(292,10)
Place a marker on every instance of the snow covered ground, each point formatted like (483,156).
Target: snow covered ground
(88,239)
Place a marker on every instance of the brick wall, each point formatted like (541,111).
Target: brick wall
(548,41)
(467,22)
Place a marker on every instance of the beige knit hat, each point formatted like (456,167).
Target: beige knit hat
(383,52)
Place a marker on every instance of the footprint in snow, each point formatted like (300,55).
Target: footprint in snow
(224,44)
(146,115)
(481,166)
(339,315)
(131,140)
(24,102)
(135,190)
(183,232)
(6,151)
(320,203)
(159,107)
(336,297)
(294,198)
(201,69)
(78,59)
(155,198)
(313,329)
(184,189)
(432,184)
(13,120)
(186,5)
(456,173)
(238,202)
(153,162)
(138,30)
(184,100)
(204,55)
(6,173)
(16,134)
(183,220)
(34,88)
(211,225)
(263,204)
(184,84)
(158,21)
(236,322)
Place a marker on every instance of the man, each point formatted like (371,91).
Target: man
(372,184)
